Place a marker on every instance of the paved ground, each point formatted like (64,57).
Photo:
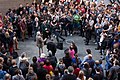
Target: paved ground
(29,46)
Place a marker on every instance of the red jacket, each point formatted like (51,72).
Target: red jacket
(76,71)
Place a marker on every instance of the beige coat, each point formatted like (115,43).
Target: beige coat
(39,41)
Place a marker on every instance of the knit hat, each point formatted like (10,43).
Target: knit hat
(43,55)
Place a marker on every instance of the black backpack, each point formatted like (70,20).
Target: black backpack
(12,70)
(52,60)
(23,65)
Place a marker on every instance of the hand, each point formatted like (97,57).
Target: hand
(45,39)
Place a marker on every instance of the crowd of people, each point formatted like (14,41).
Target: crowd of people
(44,19)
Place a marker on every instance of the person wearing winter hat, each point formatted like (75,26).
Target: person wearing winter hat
(40,42)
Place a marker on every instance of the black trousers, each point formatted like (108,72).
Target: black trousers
(57,34)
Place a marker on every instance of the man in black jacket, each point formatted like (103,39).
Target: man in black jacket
(13,68)
(51,46)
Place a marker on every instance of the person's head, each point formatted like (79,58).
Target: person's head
(50,53)
(4,52)
(70,69)
(1,66)
(88,51)
(20,5)
(56,72)
(116,62)
(41,64)
(43,55)
(34,59)
(10,58)
(100,61)
(23,55)
(17,71)
(7,77)
(89,56)
(86,65)
(90,78)
(97,62)
(47,62)
(48,77)
(73,44)
(66,51)
(13,62)
(38,33)
(30,70)
(71,47)
(74,65)
(81,75)
(1,60)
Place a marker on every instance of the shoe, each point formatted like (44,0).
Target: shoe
(17,49)
(70,34)
(96,48)
(100,53)
(63,39)
(86,44)
(22,40)
(95,43)
(26,38)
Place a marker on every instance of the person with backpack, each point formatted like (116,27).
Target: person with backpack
(2,73)
(22,57)
(18,75)
(114,71)
(52,59)
(34,64)
(23,66)
(13,68)
(31,75)
(67,60)
(51,46)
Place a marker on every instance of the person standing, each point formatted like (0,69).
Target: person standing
(31,75)
(36,26)
(29,27)
(23,28)
(2,73)
(18,75)
(51,46)
(88,34)
(114,71)
(69,76)
(40,42)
